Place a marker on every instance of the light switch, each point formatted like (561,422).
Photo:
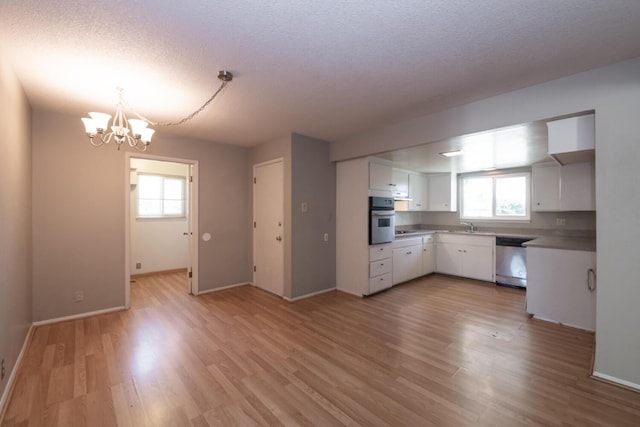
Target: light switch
(326,237)
(304,207)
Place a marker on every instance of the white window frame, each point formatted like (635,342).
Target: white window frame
(163,215)
(495,176)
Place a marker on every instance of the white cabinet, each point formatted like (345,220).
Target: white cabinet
(545,191)
(466,256)
(428,254)
(442,192)
(561,286)
(400,183)
(380,176)
(563,188)
(380,268)
(572,140)
(407,263)
(418,187)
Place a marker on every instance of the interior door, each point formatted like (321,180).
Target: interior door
(268,227)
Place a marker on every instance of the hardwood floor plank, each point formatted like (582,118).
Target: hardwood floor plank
(436,351)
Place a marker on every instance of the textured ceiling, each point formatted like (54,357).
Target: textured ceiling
(324,69)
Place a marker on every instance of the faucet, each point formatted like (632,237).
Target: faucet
(472,227)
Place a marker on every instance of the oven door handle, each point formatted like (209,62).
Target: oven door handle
(383,213)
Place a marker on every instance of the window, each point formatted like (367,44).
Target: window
(161,196)
(498,197)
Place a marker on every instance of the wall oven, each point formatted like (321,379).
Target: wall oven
(382,222)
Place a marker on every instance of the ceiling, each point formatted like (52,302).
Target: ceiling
(327,70)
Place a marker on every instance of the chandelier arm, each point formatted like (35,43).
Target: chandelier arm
(190,116)
(96,144)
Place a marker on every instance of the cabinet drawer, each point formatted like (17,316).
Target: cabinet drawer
(379,283)
(379,267)
(378,252)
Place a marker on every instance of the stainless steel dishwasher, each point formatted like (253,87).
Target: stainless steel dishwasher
(511,261)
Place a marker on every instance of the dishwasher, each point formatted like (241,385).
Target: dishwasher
(511,261)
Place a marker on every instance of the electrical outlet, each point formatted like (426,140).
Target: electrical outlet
(3,371)
(79,296)
(138,265)
(561,221)
(304,207)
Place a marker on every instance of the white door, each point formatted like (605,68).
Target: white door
(268,227)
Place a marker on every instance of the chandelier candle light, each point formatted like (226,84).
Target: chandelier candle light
(135,131)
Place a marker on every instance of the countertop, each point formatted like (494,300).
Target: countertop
(567,243)
(551,242)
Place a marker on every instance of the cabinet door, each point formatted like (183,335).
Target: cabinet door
(558,286)
(399,183)
(448,258)
(428,258)
(379,177)
(442,193)
(478,263)
(418,185)
(577,187)
(545,187)
(407,263)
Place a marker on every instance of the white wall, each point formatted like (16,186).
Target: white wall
(79,215)
(614,93)
(15,220)
(158,244)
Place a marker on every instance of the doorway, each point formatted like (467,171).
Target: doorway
(165,219)
(268,227)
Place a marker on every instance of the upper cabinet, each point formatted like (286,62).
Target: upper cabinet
(380,177)
(418,191)
(572,140)
(563,188)
(399,184)
(442,192)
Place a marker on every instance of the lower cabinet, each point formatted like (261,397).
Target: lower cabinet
(561,286)
(407,263)
(380,267)
(466,256)
(428,256)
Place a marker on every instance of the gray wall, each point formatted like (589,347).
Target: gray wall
(79,215)
(314,182)
(614,93)
(15,219)
(309,175)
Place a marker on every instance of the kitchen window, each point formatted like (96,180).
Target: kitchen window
(161,196)
(496,197)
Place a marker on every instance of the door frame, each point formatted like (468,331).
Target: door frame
(253,214)
(193,219)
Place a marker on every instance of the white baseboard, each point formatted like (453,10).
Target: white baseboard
(312,294)
(615,380)
(14,372)
(78,316)
(223,288)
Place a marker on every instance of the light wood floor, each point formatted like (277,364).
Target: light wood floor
(437,351)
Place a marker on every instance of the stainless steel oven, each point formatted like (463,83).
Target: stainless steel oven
(382,220)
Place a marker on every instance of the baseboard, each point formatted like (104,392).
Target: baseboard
(312,294)
(78,316)
(14,372)
(223,288)
(616,381)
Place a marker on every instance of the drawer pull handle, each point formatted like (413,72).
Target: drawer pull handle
(409,253)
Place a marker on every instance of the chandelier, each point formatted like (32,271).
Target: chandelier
(134,132)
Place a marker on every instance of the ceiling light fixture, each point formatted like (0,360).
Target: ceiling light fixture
(135,131)
(452,153)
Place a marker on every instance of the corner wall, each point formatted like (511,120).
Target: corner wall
(313,182)
(614,93)
(15,221)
